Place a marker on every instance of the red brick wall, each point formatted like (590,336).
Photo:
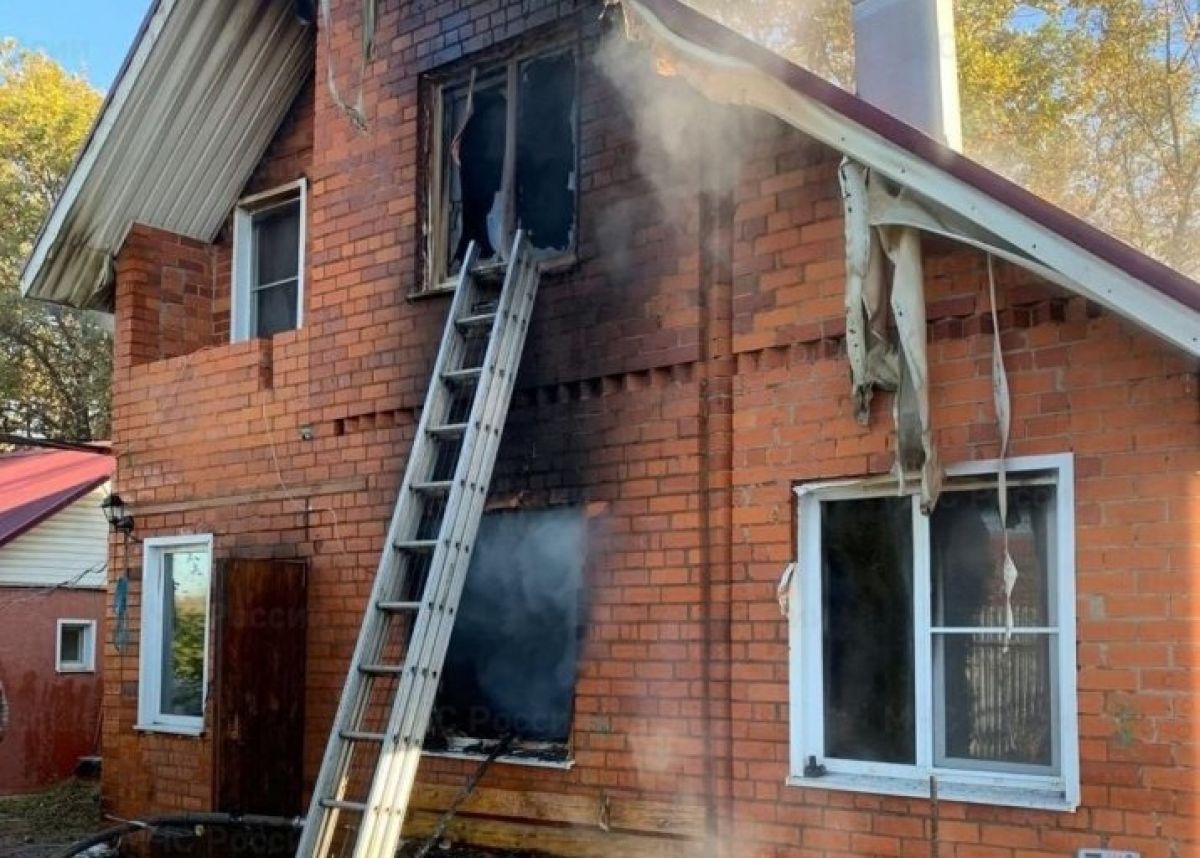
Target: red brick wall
(52,717)
(679,379)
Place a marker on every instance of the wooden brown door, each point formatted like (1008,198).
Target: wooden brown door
(261,611)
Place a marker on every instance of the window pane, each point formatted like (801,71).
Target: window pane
(546,151)
(275,309)
(71,649)
(277,243)
(997,702)
(512,659)
(967,549)
(185,594)
(475,168)
(866,595)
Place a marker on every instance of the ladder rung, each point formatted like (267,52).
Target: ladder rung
(416,545)
(463,375)
(337,804)
(382,669)
(475,321)
(491,272)
(398,607)
(433,487)
(449,430)
(360,736)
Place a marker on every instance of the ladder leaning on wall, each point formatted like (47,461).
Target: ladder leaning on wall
(370,764)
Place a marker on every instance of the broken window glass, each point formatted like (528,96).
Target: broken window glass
(510,669)
(993,693)
(546,151)
(866,594)
(867,600)
(508,161)
(478,128)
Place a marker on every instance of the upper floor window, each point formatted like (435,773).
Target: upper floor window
(504,157)
(173,670)
(904,663)
(268,262)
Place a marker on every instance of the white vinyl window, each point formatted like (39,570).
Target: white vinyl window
(268,263)
(75,647)
(903,667)
(173,674)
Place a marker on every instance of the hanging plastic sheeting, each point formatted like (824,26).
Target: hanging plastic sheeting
(356,111)
(1001,397)
(874,362)
(915,450)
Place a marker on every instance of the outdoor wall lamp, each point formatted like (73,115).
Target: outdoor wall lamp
(118,517)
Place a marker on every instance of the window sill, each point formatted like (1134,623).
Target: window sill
(173,729)
(562,765)
(948,790)
(68,669)
(549,265)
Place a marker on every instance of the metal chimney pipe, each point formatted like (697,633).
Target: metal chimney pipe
(907,63)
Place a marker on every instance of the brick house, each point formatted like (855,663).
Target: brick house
(274,210)
(53,553)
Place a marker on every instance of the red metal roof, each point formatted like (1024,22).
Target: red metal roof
(36,484)
(704,31)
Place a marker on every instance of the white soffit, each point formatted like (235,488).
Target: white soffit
(196,104)
(726,79)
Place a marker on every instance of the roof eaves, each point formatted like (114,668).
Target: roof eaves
(60,504)
(1169,301)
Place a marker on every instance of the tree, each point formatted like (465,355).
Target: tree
(1093,104)
(55,362)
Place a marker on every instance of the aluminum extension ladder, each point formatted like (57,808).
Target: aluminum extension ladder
(370,764)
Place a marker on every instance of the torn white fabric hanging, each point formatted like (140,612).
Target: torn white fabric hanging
(783,590)
(873,360)
(1001,398)
(914,434)
(356,111)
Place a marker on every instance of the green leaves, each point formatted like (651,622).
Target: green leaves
(55,362)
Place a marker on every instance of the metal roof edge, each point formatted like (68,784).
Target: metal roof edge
(114,101)
(1166,290)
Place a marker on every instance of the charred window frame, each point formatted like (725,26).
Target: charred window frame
(513,660)
(530,173)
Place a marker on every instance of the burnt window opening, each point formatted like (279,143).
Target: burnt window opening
(506,160)
(511,666)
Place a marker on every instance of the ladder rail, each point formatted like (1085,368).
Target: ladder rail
(320,826)
(396,769)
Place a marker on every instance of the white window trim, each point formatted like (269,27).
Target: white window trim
(1057,792)
(150,716)
(243,237)
(88,663)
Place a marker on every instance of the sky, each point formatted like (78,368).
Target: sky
(86,36)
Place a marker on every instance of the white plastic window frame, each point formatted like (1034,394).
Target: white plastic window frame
(976,783)
(249,208)
(151,718)
(87,662)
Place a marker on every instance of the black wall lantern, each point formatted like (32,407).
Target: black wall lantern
(118,517)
